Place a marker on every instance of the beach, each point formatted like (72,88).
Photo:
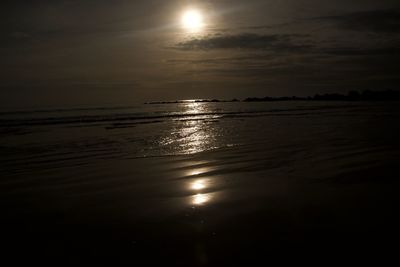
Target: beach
(199,184)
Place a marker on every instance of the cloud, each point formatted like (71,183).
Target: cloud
(276,45)
(377,21)
(249,41)
(382,51)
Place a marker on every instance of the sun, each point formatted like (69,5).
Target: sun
(192,20)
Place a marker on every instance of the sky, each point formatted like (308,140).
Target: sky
(95,52)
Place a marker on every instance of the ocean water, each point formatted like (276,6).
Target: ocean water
(176,129)
(198,184)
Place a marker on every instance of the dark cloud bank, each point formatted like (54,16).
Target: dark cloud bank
(244,41)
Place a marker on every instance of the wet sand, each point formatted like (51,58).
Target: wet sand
(206,209)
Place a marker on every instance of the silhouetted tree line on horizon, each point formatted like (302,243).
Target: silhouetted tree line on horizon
(366,95)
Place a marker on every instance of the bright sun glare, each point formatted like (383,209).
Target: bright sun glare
(192,20)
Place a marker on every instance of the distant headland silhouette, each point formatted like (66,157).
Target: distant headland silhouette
(366,95)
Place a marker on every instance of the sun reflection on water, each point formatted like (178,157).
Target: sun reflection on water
(198,185)
(200,199)
(195,107)
(197,135)
(198,171)
(194,130)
